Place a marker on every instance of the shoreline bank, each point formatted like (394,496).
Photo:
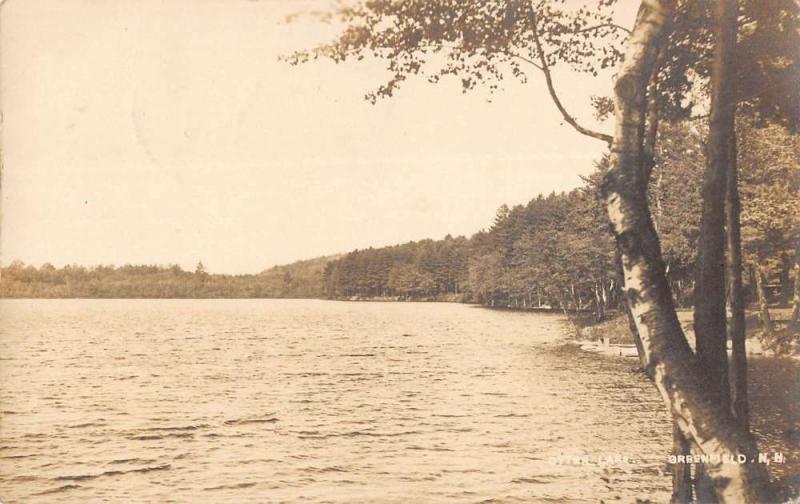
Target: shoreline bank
(612,337)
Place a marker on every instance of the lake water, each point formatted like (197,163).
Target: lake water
(317,401)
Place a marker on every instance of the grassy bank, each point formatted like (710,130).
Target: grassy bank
(614,330)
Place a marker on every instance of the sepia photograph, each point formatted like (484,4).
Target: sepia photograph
(399,251)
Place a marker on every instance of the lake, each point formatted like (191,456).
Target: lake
(321,401)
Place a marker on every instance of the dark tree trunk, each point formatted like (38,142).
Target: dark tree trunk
(704,420)
(681,473)
(736,329)
(703,486)
(709,311)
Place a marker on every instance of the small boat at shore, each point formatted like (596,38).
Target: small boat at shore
(625,350)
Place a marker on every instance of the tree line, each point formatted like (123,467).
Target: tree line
(555,252)
(296,280)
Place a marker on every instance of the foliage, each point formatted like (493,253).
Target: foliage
(555,251)
(479,42)
(769,160)
(482,43)
(73,281)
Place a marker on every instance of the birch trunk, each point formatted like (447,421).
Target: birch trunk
(637,340)
(706,422)
(598,299)
(763,304)
(796,300)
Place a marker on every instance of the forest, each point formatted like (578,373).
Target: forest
(557,250)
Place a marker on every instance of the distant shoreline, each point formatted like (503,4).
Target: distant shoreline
(535,309)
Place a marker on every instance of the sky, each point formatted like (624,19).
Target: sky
(155,132)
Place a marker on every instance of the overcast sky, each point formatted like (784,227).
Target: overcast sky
(169,132)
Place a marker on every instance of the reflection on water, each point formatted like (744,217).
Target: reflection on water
(246,401)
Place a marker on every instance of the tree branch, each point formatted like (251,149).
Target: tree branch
(549,79)
(605,25)
(526,60)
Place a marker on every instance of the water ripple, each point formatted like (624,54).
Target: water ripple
(240,401)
